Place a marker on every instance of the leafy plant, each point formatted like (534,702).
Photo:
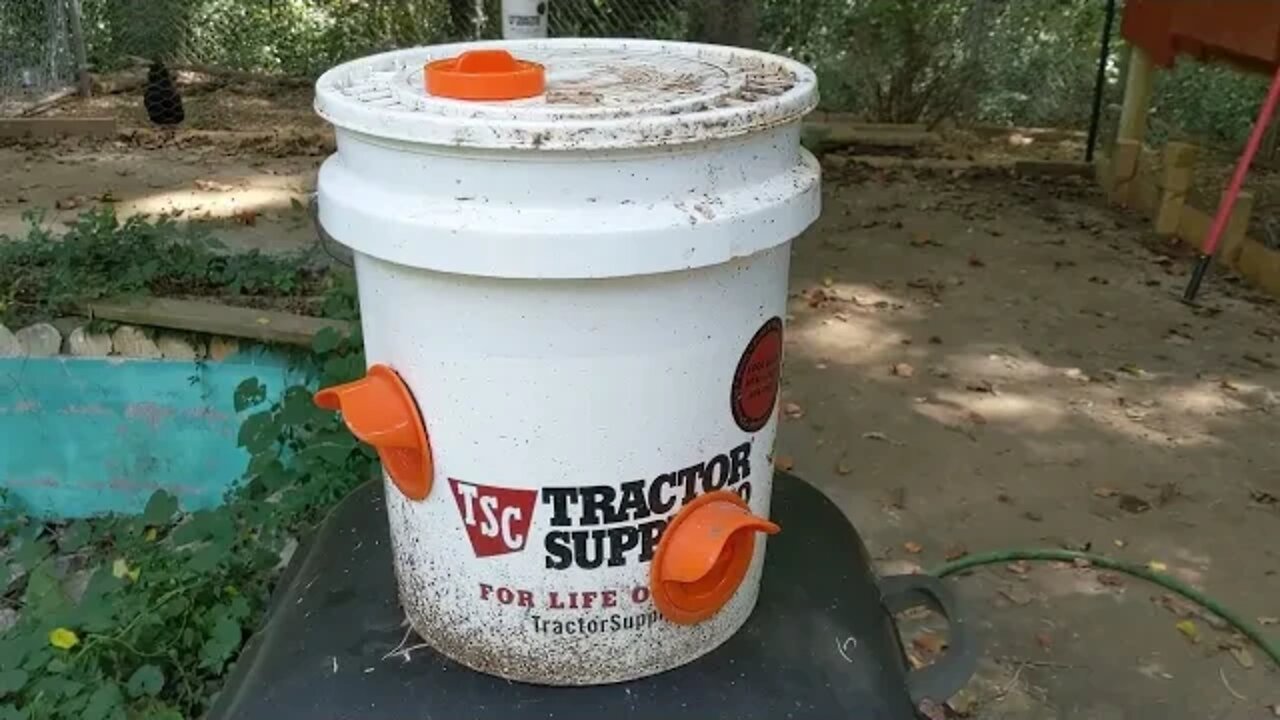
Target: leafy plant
(140,617)
(44,274)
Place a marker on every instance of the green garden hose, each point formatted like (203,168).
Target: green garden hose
(1248,629)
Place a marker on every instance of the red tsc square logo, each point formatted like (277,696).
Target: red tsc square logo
(497,519)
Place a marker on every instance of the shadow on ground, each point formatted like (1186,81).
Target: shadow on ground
(984,363)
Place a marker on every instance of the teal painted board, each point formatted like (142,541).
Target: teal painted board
(86,436)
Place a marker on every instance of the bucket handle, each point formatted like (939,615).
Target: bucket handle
(953,669)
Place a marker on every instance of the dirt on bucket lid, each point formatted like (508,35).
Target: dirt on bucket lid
(599,94)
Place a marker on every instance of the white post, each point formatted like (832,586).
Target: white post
(524,19)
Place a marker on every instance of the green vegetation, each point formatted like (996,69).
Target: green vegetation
(1029,62)
(45,275)
(140,617)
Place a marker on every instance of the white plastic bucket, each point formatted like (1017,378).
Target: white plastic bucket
(524,19)
(583,295)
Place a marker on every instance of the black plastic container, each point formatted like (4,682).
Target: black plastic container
(821,643)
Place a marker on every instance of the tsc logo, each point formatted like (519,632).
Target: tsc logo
(497,519)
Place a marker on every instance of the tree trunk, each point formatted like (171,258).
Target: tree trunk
(727,22)
(462,19)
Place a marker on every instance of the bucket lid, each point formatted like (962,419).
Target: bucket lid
(598,94)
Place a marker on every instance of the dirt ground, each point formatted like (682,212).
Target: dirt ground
(982,364)
(974,363)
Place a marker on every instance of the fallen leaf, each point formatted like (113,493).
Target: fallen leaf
(842,468)
(1104,492)
(246,217)
(1021,567)
(1131,369)
(1266,621)
(1017,595)
(212,186)
(1045,641)
(792,410)
(1169,492)
(898,498)
(1263,497)
(784,462)
(70,203)
(1033,516)
(935,340)
(975,261)
(982,386)
(842,317)
(903,370)
(828,282)
(930,709)
(1242,656)
(1188,630)
(1262,362)
(955,551)
(1275,710)
(1132,504)
(913,547)
(963,703)
(874,435)
(976,417)
(1111,579)
(929,644)
(1157,566)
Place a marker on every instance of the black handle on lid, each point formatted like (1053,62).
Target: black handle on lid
(953,669)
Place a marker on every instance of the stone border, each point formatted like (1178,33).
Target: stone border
(72,337)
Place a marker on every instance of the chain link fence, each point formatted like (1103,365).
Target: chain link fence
(1013,62)
(36,57)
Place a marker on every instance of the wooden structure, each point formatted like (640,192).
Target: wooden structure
(1242,33)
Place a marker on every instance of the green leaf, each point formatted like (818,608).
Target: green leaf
(105,703)
(248,393)
(162,712)
(12,712)
(43,595)
(74,536)
(222,642)
(56,688)
(298,407)
(327,340)
(11,681)
(274,476)
(146,680)
(101,602)
(213,525)
(258,432)
(207,558)
(32,552)
(160,508)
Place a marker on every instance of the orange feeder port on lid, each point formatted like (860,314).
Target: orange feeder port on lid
(485,75)
(379,410)
(703,556)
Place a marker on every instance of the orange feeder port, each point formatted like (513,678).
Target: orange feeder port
(485,75)
(379,410)
(703,556)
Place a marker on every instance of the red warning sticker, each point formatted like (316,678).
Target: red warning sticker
(755,382)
